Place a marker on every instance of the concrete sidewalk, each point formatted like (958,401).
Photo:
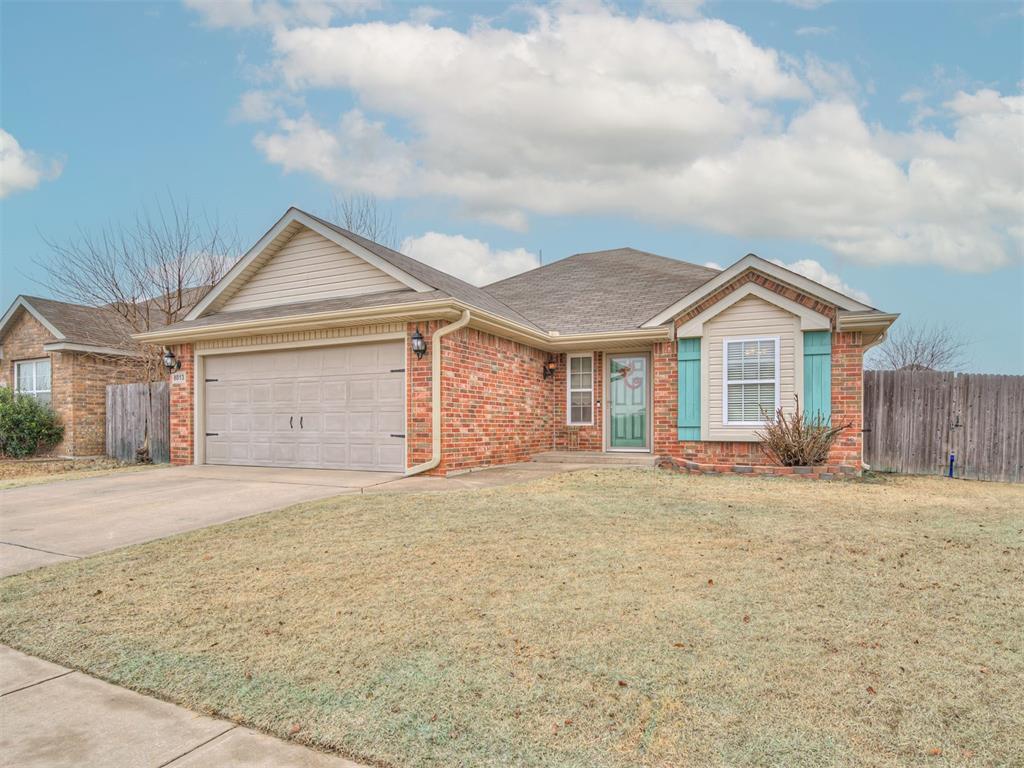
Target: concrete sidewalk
(52,717)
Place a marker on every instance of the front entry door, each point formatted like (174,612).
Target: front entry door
(628,392)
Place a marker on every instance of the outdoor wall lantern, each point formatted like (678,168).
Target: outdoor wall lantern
(171,363)
(549,368)
(419,344)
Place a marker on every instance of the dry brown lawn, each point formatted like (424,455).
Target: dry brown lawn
(597,619)
(18,472)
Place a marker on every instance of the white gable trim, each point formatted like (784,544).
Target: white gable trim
(292,216)
(22,303)
(809,319)
(750,261)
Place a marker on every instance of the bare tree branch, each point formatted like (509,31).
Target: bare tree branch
(147,273)
(363,215)
(920,347)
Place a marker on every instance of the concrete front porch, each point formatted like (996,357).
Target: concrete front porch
(625,459)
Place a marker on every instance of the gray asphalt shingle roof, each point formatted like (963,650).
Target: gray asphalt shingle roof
(92,326)
(613,290)
(435,278)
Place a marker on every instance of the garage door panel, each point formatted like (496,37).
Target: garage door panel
(391,455)
(321,407)
(261,393)
(335,392)
(391,389)
(239,422)
(392,423)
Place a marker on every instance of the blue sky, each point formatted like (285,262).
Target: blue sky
(877,145)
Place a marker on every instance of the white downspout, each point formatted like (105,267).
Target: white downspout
(435,395)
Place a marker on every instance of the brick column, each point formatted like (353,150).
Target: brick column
(848,398)
(183,408)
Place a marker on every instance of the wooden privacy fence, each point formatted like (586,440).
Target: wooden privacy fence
(913,420)
(136,412)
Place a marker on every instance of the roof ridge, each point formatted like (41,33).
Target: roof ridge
(670,259)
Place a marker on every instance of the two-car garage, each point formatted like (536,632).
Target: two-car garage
(332,407)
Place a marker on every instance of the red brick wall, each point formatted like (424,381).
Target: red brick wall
(183,408)
(24,341)
(496,404)
(577,438)
(88,393)
(79,384)
(848,398)
(847,392)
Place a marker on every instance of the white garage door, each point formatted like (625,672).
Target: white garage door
(329,407)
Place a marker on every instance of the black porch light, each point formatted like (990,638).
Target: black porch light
(550,367)
(171,363)
(419,344)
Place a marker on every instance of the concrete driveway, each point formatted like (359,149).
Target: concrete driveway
(69,519)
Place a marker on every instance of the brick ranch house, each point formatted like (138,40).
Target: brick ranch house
(65,355)
(302,356)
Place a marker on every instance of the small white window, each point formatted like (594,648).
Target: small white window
(32,377)
(751,380)
(581,389)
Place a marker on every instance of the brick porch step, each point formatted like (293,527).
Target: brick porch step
(595,457)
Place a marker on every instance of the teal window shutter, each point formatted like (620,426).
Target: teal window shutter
(689,389)
(818,376)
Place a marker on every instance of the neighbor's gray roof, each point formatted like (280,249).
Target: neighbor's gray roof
(97,326)
(435,278)
(79,324)
(614,290)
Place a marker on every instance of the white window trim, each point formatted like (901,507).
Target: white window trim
(33,392)
(569,390)
(725,378)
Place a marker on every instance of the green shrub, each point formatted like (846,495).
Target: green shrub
(27,426)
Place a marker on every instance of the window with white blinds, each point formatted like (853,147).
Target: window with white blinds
(751,380)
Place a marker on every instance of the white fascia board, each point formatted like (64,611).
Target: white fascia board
(294,215)
(66,346)
(809,319)
(750,261)
(22,303)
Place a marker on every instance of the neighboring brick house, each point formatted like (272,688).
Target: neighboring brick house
(65,355)
(303,355)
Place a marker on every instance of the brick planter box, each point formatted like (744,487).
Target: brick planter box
(821,472)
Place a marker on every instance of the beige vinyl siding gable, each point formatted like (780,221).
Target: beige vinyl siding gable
(307,268)
(749,318)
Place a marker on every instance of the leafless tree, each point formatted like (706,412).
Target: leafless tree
(146,273)
(920,347)
(363,215)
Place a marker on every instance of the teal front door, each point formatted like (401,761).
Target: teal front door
(628,395)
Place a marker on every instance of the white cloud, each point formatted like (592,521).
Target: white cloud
(813,270)
(713,265)
(425,14)
(240,14)
(22,169)
(257,107)
(472,260)
(678,9)
(815,31)
(590,111)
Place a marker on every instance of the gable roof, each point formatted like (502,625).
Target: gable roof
(621,292)
(74,324)
(752,261)
(614,290)
(419,277)
(84,328)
